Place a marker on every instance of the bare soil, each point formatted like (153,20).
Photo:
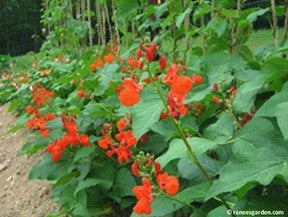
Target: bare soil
(19,196)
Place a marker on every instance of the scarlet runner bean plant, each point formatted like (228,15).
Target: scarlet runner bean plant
(178,117)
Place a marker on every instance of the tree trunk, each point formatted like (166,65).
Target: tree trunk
(275,23)
(89,24)
(286,20)
(83,19)
(103,14)
(115,20)
(108,20)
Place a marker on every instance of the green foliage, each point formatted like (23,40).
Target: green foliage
(231,145)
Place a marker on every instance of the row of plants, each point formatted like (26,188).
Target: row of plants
(186,122)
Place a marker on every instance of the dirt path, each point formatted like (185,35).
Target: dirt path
(19,197)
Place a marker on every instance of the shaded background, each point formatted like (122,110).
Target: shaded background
(21,31)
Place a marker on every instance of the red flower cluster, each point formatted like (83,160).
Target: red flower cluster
(70,137)
(129,92)
(162,62)
(125,140)
(144,193)
(40,95)
(144,196)
(134,63)
(80,94)
(45,72)
(39,121)
(150,52)
(97,64)
(170,184)
(109,58)
(179,87)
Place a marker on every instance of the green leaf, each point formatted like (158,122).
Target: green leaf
(165,128)
(258,157)
(55,124)
(33,147)
(218,25)
(107,75)
(219,211)
(191,172)
(222,130)
(247,92)
(201,11)
(50,170)
(259,166)
(126,7)
(177,149)
(84,153)
(268,108)
(147,112)
(86,184)
(253,16)
(282,118)
(124,183)
(181,17)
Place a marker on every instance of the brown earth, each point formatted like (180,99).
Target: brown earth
(20,197)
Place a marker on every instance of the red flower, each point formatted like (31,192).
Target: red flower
(40,95)
(162,62)
(104,143)
(197,79)
(182,85)
(124,69)
(109,58)
(129,95)
(144,196)
(142,207)
(81,94)
(163,115)
(123,154)
(133,63)
(215,86)
(44,133)
(147,80)
(97,64)
(172,74)
(71,127)
(246,119)
(233,91)
(216,99)
(31,110)
(144,137)
(168,183)
(56,156)
(149,54)
(176,104)
(84,140)
(121,125)
(138,53)
(157,168)
(153,46)
(135,168)
(50,116)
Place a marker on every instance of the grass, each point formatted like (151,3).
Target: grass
(264,36)
(25,61)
